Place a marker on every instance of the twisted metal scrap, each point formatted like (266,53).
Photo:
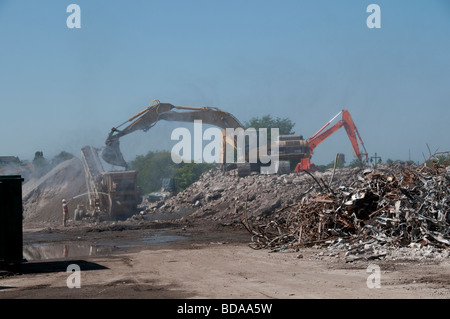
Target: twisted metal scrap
(304,223)
(414,209)
(410,206)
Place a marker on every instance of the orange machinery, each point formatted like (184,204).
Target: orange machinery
(322,134)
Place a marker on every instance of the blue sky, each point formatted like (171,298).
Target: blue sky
(61,88)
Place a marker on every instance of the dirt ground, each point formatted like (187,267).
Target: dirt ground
(208,261)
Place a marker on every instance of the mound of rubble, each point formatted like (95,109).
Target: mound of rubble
(225,197)
(42,196)
(399,208)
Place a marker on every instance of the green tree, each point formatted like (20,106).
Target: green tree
(152,168)
(155,166)
(189,173)
(285,125)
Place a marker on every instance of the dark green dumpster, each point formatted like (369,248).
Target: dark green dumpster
(11,210)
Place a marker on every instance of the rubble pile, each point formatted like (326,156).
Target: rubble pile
(393,208)
(225,197)
(42,196)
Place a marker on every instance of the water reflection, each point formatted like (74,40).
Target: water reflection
(52,250)
(49,251)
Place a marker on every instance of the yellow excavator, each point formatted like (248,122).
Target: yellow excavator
(290,146)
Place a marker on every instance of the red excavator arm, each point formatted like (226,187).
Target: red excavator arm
(322,134)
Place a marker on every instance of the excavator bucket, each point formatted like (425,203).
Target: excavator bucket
(111,153)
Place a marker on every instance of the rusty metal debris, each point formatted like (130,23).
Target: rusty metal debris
(398,208)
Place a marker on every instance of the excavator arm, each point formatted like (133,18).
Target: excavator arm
(323,134)
(157,111)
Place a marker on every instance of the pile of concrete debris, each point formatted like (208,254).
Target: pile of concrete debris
(42,196)
(394,208)
(226,197)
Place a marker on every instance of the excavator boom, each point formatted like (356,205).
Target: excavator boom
(157,111)
(324,133)
(353,135)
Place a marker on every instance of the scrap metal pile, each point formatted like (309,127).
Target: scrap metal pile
(396,208)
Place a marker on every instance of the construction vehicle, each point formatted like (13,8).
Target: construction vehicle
(290,146)
(112,195)
(322,134)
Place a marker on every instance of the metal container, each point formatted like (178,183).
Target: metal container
(11,216)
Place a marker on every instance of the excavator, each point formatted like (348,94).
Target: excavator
(290,146)
(157,111)
(322,134)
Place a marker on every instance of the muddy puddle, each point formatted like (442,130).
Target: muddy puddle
(52,249)
(56,251)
